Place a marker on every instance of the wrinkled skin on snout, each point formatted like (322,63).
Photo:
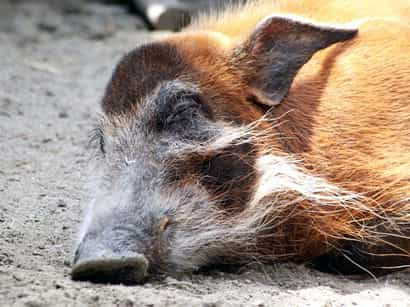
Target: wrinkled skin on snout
(182,151)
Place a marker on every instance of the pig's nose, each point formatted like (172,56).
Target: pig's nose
(129,269)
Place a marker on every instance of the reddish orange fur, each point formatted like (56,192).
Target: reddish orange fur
(347,115)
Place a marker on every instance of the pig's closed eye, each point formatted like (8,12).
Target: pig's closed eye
(183,113)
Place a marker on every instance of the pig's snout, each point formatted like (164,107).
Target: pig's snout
(107,257)
(112,268)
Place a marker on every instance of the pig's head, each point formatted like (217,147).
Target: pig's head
(184,149)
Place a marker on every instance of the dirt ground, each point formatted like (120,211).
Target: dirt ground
(53,68)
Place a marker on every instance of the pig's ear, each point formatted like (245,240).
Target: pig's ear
(278,47)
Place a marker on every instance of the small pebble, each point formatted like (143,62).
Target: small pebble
(47,27)
(46,140)
(58,286)
(61,203)
(63,114)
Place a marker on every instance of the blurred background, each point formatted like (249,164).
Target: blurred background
(97,19)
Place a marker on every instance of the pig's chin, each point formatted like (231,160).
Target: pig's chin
(208,236)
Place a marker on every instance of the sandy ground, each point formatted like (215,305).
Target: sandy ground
(49,93)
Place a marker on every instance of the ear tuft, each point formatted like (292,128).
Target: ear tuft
(279,46)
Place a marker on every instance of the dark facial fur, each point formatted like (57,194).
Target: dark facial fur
(159,167)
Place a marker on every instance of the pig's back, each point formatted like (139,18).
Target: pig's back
(239,21)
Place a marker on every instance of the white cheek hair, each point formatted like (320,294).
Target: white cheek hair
(281,175)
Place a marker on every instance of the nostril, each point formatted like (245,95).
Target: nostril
(130,269)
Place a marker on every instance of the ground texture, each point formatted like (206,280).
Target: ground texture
(53,68)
